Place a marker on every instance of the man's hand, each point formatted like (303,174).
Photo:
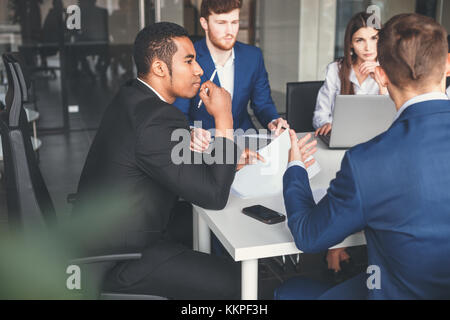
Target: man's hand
(217,100)
(335,257)
(278,126)
(200,140)
(379,81)
(301,150)
(249,157)
(368,67)
(218,104)
(324,130)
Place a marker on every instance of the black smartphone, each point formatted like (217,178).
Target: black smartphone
(264,214)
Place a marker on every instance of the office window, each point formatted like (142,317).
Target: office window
(427,7)
(73,67)
(344,12)
(388,8)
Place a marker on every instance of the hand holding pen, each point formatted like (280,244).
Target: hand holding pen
(217,100)
(211,79)
(218,104)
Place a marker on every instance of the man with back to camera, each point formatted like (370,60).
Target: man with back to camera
(130,162)
(240,71)
(394,187)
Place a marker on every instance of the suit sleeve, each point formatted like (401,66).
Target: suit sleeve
(339,214)
(167,159)
(261,98)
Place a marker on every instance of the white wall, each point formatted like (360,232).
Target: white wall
(280,31)
(297,38)
(172,11)
(4,12)
(445,15)
(317,38)
(390,8)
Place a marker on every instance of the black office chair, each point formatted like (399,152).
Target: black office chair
(300,104)
(30,208)
(26,82)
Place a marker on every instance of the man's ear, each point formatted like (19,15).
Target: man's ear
(381,74)
(204,24)
(448,66)
(159,68)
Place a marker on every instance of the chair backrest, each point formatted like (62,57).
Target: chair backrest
(23,75)
(300,104)
(28,200)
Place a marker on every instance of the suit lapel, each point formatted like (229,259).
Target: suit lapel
(142,87)
(207,63)
(238,72)
(205,60)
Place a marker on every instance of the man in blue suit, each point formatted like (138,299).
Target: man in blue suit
(240,70)
(394,187)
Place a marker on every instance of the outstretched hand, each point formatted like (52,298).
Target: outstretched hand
(301,150)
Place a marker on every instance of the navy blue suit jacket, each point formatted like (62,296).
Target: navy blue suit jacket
(396,188)
(251,83)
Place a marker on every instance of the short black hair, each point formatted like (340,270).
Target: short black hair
(156,41)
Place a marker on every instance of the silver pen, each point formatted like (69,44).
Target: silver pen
(211,79)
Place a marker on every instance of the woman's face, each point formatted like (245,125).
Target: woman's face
(364,44)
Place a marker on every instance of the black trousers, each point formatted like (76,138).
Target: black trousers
(173,270)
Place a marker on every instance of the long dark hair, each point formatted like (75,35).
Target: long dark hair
(346,63)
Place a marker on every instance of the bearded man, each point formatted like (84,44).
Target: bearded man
(240,70)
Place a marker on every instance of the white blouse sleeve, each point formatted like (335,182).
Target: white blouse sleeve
(327,96)
(448,92)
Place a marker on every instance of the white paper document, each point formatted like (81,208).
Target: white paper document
(266,178)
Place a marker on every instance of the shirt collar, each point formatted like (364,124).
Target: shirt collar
(421,98)
(156,92)
(229,61)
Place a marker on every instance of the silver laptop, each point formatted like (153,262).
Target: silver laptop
(358,119)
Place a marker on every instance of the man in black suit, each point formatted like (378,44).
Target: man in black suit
(132,182)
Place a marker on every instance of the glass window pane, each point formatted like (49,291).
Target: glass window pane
(72,67)
(345,11)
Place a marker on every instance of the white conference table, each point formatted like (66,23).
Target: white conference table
(248,240)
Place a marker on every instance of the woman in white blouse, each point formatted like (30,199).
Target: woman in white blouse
(352,74)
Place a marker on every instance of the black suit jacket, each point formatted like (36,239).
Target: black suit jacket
(129,183)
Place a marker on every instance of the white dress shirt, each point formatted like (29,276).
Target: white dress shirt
(332,87)
(448,92)
(226,73)
(156,92)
